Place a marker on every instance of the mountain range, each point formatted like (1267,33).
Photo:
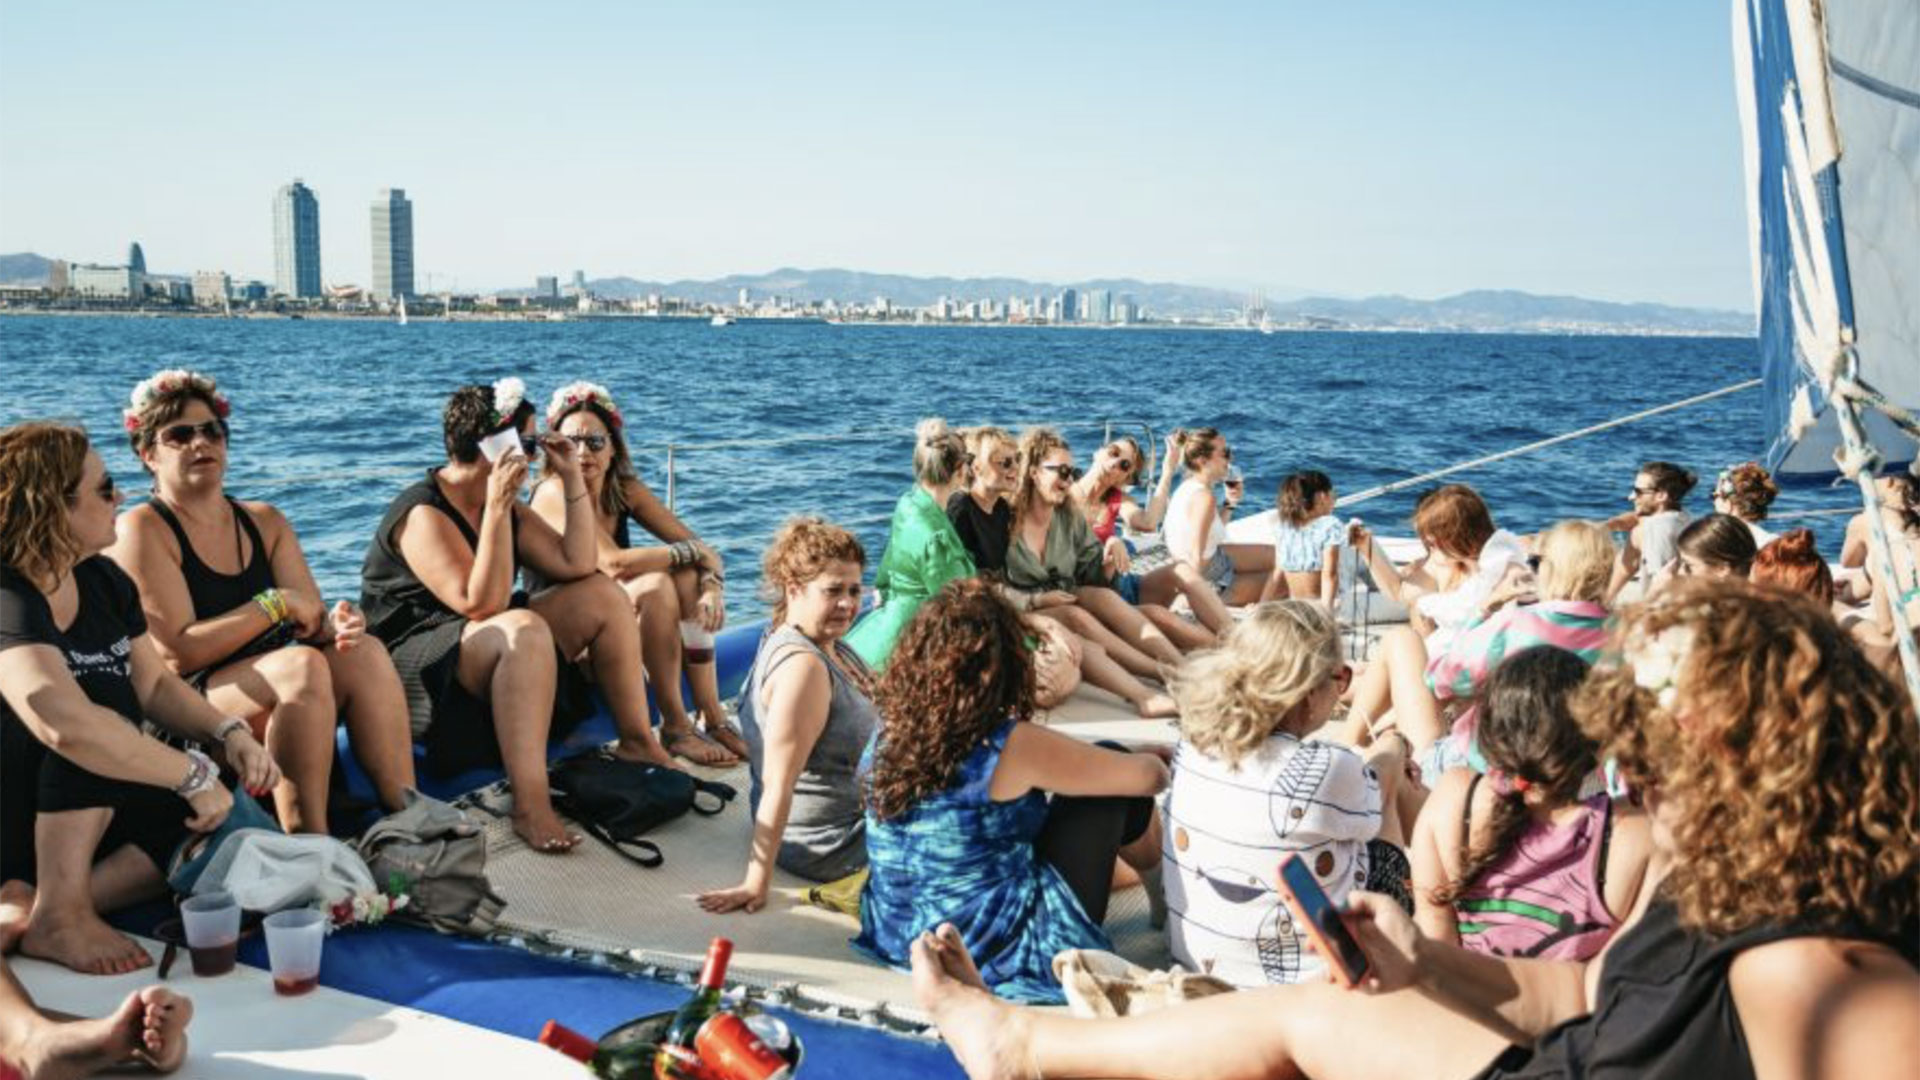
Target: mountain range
(1478,310)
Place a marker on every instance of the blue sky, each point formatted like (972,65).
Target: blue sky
(1351,148)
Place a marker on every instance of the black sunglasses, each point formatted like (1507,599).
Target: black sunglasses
(1064,471)
(593,443)
(182,434)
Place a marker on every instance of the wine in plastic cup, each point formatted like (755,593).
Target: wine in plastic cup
(294,939)
(212,925)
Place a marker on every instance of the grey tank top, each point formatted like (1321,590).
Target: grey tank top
(826,837)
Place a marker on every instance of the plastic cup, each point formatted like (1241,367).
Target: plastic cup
(294,939)
(212,924)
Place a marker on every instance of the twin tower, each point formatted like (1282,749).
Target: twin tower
(296,243)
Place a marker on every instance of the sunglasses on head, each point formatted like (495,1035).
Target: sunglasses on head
(182,434)
(1063,470)
(593,443)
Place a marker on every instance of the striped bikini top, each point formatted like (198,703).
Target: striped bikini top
(1546,897)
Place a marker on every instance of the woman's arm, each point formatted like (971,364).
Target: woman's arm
(36,683)
(1202,516)
(1437,832)
(1329,575)
(168,701)
(291,574)
(799,696)
(573,551)
(1156,511)
(1038,758)
(474,582)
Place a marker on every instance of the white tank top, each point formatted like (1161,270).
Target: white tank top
(1179,525)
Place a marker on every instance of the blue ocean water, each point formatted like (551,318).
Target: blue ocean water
(331,418)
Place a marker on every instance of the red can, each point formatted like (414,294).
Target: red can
(731,1051)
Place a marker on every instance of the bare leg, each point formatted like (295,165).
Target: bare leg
(508,660)
(368,692)
(1185,636)
(1125,619)
(16,904)
(656,600)
(287,695)
(65,925)
(1082,623)
(1285,1031)
(1099,669)
(703,675)
(592,616)
(148,1029)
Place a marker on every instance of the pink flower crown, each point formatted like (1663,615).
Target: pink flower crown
(164,383)
(582,393)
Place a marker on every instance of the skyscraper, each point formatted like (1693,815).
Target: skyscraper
(296,241)
(136,259)
(1069,305)
(392,245)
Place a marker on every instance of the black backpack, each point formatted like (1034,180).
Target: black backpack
(616,801)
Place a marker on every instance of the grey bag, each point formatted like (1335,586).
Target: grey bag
(442,856)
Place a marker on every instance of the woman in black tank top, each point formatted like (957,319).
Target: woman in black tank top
(233,608)
(1779,936)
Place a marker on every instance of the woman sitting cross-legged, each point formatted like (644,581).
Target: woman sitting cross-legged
(1516,862)
(1196,527)
(1776,934)
(1053,559)
(807,709)
(977,817)
(91,809)
(233,608)
(489,674)
(676,588)
(1251,786)
(1306,540)
(1102,496)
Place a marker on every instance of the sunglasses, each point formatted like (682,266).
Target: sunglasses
(1063,471)
(106,489)
(179,435)
(1004,462)
(593,443)
(1644,491)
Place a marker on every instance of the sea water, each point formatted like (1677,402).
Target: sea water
(331,418)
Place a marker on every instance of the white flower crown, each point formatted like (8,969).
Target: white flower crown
(581,393)
(508,395)
(172,381)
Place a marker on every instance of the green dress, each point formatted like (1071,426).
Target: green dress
(923,553)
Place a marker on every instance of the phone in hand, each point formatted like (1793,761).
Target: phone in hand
(501,443)
(1316,913)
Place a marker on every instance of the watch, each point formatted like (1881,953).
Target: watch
(227,728)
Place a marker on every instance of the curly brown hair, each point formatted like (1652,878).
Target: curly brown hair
(40,469)
(1748,488)
(800,552)
(1788,764)
(1792,562)
(1035,444)
(961,670)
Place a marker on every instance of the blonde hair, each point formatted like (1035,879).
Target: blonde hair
(980,442)
(939,454)
(1233,697)
(1035,444)
(40,469)
(1576,562)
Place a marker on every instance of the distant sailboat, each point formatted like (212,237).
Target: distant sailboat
(403,310)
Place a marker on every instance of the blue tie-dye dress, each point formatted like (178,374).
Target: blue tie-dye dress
(961,857)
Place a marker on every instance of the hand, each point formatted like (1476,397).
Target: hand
(1664,577)
(1389,938)
(307,613)
(710,611)
(349,625)
(210,808)
(1053,598)
(503,484)
(1171,461)
(258,772)
(1117,558)
(1360,538)
(1163,751)
(709,559)
(563,457)
(742,897)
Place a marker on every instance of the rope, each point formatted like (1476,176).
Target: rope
(1857,460)
(1414,481)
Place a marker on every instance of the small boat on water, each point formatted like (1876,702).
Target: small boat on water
(720,320)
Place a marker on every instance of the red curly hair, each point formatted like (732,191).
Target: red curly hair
(960,670)
(1793,563)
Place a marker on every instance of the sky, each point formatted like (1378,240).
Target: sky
(1344,149)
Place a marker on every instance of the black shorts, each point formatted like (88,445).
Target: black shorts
(456,727)
(150,819)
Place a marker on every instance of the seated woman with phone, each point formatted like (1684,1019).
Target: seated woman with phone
(1774,937)
(232,607)
(490,674)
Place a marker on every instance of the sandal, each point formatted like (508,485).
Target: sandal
(728,738)
(709,754)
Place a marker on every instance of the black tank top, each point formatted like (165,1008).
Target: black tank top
(214,593)
(397,603)
(1665,1008)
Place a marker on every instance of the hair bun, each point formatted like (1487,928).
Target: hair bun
(930,430)
(1796,545)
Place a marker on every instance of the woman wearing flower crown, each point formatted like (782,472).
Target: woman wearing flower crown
(490,674)
(676,588)
(233,608)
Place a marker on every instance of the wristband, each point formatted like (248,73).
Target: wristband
(228,727)
(274,603)
(681,553)
(201,775)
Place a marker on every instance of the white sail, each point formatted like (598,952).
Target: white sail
(1830,106)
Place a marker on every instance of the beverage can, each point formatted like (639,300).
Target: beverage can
(729,1050)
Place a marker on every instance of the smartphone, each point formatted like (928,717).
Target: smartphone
(501,443)
(1316,913)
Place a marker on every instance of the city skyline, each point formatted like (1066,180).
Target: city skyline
(1258,147)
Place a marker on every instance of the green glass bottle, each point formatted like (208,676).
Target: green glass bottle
(629,1059)
(675,1058)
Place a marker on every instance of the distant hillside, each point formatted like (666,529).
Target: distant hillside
(24,269)
(1507,309)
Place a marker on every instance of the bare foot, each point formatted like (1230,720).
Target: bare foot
(728,737)
(1157,706)
(987,1035)
(694,746)
(149,1028)
(543,831)
(80,940)
(16,904)
(647,753)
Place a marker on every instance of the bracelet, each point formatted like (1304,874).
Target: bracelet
(571,499)
(682,553)
(274,603)
(229,727)
(200,775)
(713,577)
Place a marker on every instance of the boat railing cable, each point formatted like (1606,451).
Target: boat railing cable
(1428,477)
